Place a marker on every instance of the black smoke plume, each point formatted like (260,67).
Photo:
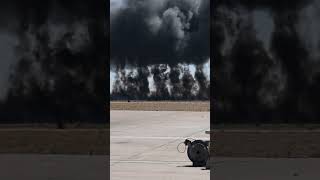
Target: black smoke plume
(174,82)
(134,85)
(203,83)
(59,69)
(160,78)
(160,35)
(266,66)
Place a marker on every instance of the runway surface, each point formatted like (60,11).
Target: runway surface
(265,169)
(53,167)
(144,144)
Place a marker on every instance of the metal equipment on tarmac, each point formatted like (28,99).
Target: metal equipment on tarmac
(198,152)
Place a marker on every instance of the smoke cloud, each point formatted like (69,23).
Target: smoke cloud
(266,61)
(156,37)
(161,82)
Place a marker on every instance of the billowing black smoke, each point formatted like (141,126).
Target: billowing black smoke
(156,36)
(59,67)
(134,85)
(203,84)
(266,61)
(169,82)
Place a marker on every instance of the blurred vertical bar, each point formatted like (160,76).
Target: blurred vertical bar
(54,84)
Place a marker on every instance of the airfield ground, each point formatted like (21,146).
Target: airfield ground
(226,168)
(144,144)
(54,141)
(279,152)
(194,106)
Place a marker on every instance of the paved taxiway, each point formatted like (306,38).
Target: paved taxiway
(265,168)
(53,167)
(144,144)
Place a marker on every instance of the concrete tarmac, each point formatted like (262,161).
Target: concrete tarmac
(53,167)
(265,168)
(144,144)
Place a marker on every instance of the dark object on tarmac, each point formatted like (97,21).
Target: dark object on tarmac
(198,152)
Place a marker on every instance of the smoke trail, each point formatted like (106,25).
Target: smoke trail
(160,78)
(204,88)
(175,81)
